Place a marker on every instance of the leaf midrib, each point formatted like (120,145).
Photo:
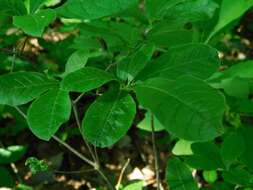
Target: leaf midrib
(109,114)
(180,100)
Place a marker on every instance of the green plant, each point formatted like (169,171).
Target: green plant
(129,56)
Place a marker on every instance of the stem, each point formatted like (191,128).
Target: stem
(155,153)
(91,163)
(15,170)
(63,143)
(96,155)
(106,179)
(74,151)
(80,129)
(74,172)
(13,63)
(23,46)
(121,174)
(78,98)
(21,112)
(94,165)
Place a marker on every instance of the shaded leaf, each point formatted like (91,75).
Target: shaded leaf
(168,33)
(6,178)
(155,9)
(198,60)
(116,35)
(205,156)
(247,155)
(179,176)
(128,68)
(34,5)
(12,7)
(232,148)
(89,9)
(238,176)
(192,11)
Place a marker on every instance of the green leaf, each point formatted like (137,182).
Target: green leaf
(198,60)
(23,187)
(89,9)
(115,34)
(236,87)
(210,176)
(128,68)
(12,7)
(48,113)
(242,70)
(34,24)
(11,154)
(179,176)
(238,176)
(134,186)
(155,9)
(109,118)
(22,87)
(231,10)
(232,148)
(78,60)
(205,156)
(168,33)
(85,79)
(34,5)
(36,165)
(247,155)
(145,124)
(236,80)
(188,108)
(192,11)
(182,147)
(6,179)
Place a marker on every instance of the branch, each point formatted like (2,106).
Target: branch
(155,153)
(121,174)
